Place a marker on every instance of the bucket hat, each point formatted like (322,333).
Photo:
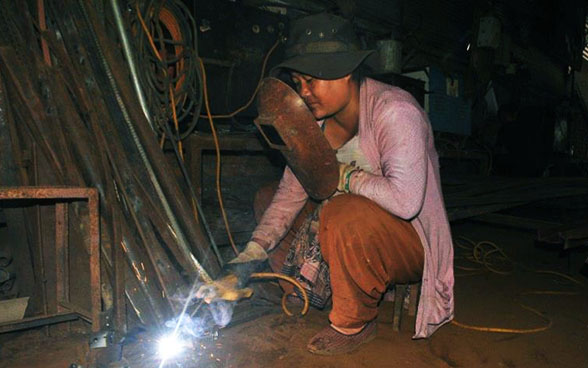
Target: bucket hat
(324,46)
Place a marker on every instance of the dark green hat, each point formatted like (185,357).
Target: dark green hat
(324,46)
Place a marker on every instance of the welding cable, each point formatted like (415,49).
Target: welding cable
(252,98)
(271,275)
(480,253)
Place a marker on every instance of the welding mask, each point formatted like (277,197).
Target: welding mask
(288,125)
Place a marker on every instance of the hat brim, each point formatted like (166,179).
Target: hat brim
(324,66)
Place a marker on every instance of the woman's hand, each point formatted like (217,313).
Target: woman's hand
(231,286)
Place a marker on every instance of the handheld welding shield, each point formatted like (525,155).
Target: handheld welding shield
(288,125)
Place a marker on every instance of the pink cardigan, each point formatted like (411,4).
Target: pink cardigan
(397,140)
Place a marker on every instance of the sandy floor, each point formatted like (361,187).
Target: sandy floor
(483,299)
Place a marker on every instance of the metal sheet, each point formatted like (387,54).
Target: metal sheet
(303,144)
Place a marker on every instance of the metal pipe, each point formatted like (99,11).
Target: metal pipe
(131,60)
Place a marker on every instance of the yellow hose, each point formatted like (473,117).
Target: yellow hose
(270,275)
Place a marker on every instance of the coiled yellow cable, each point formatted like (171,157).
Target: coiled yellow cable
(488,255)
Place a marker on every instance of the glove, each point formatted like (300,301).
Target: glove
(345,172)
(231,286)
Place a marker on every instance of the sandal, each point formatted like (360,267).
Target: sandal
(331,342)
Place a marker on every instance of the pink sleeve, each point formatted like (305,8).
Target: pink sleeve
(401,133)
(279,216)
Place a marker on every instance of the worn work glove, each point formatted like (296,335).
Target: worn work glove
(345,172)
(231,286)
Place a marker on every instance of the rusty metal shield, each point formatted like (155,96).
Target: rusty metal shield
(287,124)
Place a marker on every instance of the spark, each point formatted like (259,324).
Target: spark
(174,334)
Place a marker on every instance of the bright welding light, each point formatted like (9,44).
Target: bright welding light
(170,346)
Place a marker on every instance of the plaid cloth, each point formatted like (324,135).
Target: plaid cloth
(305,263)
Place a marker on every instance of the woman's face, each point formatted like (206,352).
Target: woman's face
(323,97)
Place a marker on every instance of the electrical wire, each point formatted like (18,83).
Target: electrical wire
(489,257)
(252,98)
(218,162)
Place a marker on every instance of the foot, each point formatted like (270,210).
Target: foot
(331,342)
(348,331)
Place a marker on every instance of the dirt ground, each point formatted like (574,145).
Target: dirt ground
(486,298)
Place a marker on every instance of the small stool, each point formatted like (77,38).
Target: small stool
(401,291)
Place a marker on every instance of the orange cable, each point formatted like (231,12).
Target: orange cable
(146,30)
(157,54)
(217,149)
(252,98)
(171,23)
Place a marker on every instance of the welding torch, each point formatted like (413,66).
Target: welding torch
(237,273)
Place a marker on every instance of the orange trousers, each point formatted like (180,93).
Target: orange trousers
(366,248)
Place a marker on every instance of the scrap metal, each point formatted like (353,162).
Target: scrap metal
(90,130)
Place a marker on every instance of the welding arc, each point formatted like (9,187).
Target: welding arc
(271,275)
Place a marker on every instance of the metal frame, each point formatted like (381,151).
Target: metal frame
(197,143)
(64,307)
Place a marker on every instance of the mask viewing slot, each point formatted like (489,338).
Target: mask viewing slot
(271,135)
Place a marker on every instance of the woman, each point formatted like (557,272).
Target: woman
(387,224)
